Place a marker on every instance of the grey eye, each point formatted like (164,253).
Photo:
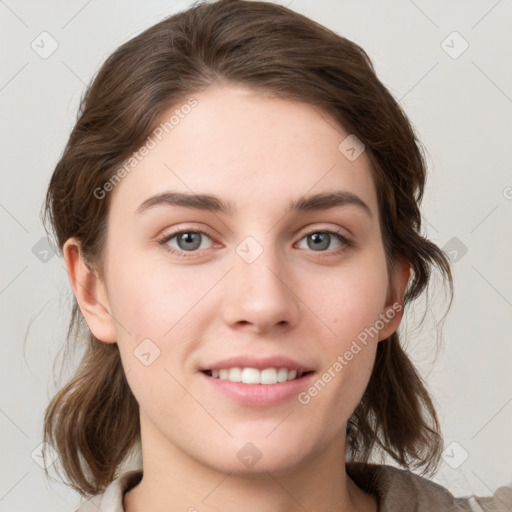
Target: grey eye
(321,240)
(187,240)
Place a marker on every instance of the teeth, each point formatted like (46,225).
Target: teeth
(255,376)
(282,375)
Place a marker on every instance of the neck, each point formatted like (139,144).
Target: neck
(173,481)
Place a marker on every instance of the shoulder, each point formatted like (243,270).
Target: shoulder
(399,489)
(111,500)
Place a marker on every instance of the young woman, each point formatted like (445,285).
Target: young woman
(238,210)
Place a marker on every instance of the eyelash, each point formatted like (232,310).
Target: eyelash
(346,243)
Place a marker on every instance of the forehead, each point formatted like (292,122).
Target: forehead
(248,148)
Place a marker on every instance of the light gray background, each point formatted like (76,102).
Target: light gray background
(462,110)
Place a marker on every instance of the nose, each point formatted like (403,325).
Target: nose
(260,295)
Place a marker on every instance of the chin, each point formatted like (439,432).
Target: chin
(257,457)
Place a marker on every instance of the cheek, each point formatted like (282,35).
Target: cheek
(151,301)
(354,298)
(353,303)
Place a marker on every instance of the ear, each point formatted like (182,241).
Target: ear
(90,293)
(394,308)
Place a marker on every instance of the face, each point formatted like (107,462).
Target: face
(260,275)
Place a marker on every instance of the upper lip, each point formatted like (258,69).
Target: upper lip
(260,363)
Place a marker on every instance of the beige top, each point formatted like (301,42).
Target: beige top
(397,490)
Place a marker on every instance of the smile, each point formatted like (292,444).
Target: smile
(255,376)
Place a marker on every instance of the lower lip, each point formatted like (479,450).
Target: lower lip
(260,395)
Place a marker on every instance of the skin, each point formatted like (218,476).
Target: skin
(260,153)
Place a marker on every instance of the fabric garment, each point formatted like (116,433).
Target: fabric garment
(397,490)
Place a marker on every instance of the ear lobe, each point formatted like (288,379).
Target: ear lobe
(393,311)
(90,293)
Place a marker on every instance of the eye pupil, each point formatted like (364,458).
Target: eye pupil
(189,238)
(320,240)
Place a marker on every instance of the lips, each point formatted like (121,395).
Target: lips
(261,387)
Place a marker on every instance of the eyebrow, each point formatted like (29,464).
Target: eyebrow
(315,202)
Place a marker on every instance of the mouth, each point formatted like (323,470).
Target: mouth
(248,375)
(258,381)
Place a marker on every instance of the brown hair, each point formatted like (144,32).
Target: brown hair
(93,421)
